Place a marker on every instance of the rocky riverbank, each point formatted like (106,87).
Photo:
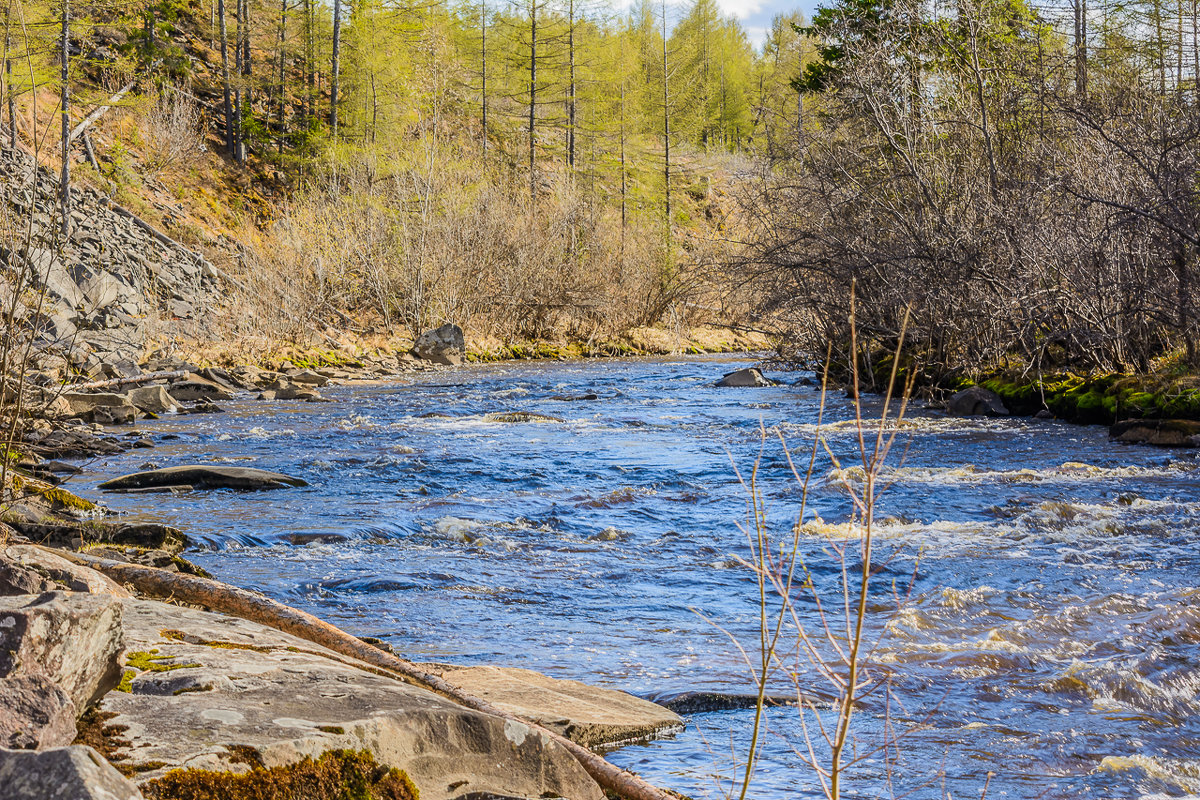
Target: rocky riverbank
(114,695)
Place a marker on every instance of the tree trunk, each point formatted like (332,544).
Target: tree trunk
(571,95)
(1081,68)
(65,179)
(335,68)
(230,142)
(666,105)
(483,21)
(12,99)
(532,96)
(281,98)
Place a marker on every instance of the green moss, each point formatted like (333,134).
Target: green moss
(335,729)
(336,775)
(180,636)
(149,662)
(57,496)
(126,684)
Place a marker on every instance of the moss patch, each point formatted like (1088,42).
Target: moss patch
(126,684)
(144,661)
(1095,399)
(59,498)
(336,775)
(181,636)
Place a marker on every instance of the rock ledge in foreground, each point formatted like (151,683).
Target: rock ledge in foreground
(202,476)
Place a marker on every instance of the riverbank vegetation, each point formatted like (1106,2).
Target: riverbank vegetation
(1022,179)
(531,170)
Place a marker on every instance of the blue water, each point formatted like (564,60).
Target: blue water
(1034,603)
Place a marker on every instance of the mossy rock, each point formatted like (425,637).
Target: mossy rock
(336,775)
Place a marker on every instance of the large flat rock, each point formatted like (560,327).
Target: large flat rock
(214,692)
(589,715)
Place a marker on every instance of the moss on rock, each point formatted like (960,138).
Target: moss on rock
(336,775)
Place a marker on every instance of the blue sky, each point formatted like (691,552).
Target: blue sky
(755,15)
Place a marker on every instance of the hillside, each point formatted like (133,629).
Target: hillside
(584,233)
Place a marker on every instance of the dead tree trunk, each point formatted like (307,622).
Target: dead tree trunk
(65,179)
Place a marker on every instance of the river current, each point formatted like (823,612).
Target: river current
(1048,628)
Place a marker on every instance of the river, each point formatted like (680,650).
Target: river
(1048,628)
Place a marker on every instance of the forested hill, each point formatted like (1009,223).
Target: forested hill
(535,170)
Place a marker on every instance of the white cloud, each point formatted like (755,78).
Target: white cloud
(740,8)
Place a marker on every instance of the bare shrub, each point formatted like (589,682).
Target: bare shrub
(172,133)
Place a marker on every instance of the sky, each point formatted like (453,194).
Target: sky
(756,15)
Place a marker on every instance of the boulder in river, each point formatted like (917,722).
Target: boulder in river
(152,399)
(976,401)
(202,476)
(746,377)
(1157,432)
(65,773)
(194,388)
(444,345)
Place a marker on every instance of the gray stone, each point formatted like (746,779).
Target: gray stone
(67,773)
(254,690)
(195,387)
(444,345)
(308,377)
(114,415)
(1157,432)
(73,639)
(744,378)
(203,476)
(59,573)
(152,399)
(588,715)
(35,713)
(84,405)
(101,290)
(976,401)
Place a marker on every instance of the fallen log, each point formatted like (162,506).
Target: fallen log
(100,111)
(136,379)
(265,611)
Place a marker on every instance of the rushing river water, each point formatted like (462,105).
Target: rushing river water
(1052,634)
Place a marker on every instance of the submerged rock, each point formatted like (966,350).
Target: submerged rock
(976,401)
(1157,432)
(519,416)
(202,476)
(746,377)
(703,702)
(65,773)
